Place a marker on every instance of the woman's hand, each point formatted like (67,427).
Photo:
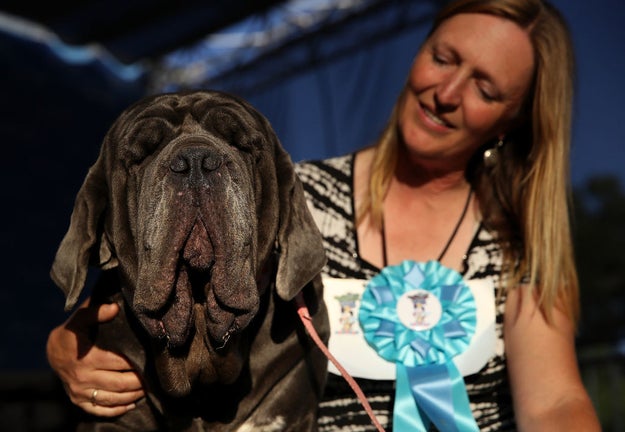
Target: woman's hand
(100,382)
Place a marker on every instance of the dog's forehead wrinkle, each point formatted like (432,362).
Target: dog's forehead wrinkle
(190,125)
(235,125)
(167,109)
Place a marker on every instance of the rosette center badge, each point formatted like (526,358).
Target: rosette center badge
(419,310)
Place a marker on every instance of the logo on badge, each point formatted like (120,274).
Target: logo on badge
(419,310)
(349,310)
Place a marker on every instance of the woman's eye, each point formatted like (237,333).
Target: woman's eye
(487,94)
(439,59)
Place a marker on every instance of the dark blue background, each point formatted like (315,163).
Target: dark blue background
(53,117)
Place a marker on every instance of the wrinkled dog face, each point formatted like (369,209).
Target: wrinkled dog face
(185,173)
(195,222)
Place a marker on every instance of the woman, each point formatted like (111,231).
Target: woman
(471,171)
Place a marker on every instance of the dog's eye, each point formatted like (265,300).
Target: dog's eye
(145,139)
(251,142)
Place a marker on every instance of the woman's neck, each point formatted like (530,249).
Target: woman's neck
(428,177)
(421,212)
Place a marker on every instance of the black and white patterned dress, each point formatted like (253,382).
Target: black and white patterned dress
(328,185)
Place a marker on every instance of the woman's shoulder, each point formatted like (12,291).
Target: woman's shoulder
(342,163)
(330,173)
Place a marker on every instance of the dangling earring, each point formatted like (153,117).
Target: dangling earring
(491,155)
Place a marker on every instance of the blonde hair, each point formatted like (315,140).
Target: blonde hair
(525,199)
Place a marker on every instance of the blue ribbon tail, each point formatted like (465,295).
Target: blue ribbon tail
(432,393)
(406,413)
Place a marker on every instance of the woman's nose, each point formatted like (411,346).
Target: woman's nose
(448,93)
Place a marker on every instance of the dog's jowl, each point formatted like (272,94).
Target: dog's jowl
(199,224)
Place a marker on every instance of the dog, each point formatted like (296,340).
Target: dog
(199,224)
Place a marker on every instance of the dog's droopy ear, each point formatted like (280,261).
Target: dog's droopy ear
(70,266)
(302,255)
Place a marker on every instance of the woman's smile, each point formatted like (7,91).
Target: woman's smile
(440,124)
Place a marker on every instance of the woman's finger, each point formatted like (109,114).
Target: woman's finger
(107,312)
(103,398)
(99,359)
(103,402)
(107,404)
(114,381)
(103,410)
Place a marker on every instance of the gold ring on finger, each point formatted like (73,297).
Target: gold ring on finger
(94,402)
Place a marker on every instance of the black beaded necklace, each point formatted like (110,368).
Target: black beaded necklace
(451,238)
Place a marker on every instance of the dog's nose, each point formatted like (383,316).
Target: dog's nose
(195,161)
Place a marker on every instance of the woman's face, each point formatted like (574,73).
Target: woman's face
(466,85)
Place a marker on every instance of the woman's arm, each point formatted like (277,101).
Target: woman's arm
(547,389)
(83,367)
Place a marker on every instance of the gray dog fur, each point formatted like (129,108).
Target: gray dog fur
(195,215)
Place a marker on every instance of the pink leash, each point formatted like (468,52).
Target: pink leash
(304,315)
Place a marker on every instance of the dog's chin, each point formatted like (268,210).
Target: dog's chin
(202,360)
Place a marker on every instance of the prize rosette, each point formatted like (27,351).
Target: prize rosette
(420,316)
